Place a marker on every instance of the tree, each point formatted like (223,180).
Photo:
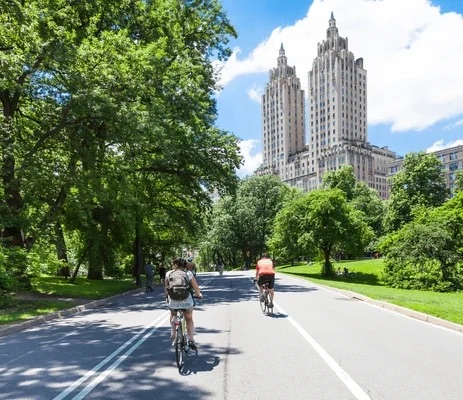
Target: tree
(459,181)
(360,196)
(240,225)
(326,221)
(111,104)
(343,179)
(259,198)
(289,241)
(427,253)
(367,200)
(420,182)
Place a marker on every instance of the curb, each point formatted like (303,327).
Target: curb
(60,314)
(399,309)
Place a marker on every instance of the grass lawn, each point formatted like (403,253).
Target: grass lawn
(47,291)
(366,281)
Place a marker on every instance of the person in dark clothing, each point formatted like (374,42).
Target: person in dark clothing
(149,273)
(162,273)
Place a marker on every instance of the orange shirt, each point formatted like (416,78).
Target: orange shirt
(265,267)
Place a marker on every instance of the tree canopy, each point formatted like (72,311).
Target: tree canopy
(107,129)
(420,182)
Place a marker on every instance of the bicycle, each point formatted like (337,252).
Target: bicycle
(182,347)
(266,304)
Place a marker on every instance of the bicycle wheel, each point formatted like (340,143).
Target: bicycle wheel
(269,302)
(179,347)
(263,302)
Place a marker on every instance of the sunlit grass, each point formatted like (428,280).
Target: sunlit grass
(82,288)
(366,281)
(13,309)
(25,309)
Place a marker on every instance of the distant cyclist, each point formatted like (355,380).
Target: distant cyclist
(191,266)
(220,267)
(265,271)
(177,290)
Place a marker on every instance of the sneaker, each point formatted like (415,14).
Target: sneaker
(192,345)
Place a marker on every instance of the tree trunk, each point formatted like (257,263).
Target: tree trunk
(327,267)
(95,267)
(61,252)
(12,233)
(76,270)
(137,256)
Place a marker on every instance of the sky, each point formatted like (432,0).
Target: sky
(412,51)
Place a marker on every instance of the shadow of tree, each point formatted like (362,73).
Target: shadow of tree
(352,277)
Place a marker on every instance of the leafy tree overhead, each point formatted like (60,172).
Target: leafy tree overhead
(108,114)
(420,182)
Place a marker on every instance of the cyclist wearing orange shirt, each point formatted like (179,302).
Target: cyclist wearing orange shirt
(265,271)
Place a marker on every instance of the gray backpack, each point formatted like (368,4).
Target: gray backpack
(179,285)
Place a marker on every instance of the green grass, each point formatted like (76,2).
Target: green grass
(48,289)
(83,288)
(366,281)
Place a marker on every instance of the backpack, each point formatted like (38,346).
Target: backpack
(179,285)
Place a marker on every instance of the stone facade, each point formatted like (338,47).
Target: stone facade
(338,132)
(452,161)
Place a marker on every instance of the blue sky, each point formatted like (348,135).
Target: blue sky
(412,51)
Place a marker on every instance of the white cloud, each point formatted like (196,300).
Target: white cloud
(251,161)
(255,93)
(412,53)
(440,145)
(454,124)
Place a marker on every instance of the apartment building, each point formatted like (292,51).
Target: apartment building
(452,161)
(337,115)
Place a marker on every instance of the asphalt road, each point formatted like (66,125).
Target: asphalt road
(318,345)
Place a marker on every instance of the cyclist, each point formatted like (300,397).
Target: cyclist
(220,267)
(187,304)
(265,271)
(191,266)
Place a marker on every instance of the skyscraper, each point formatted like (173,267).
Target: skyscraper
(337,119)
(283,115)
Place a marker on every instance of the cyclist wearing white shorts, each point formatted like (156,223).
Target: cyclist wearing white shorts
(187,304)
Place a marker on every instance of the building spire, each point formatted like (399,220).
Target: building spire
(332,30)
(282,50)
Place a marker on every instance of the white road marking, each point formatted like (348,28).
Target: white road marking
(93,371)
(158,322)
(115,364)
(353,386)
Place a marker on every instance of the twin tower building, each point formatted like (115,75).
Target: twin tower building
(338,132)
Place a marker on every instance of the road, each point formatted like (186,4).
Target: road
(318,345)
